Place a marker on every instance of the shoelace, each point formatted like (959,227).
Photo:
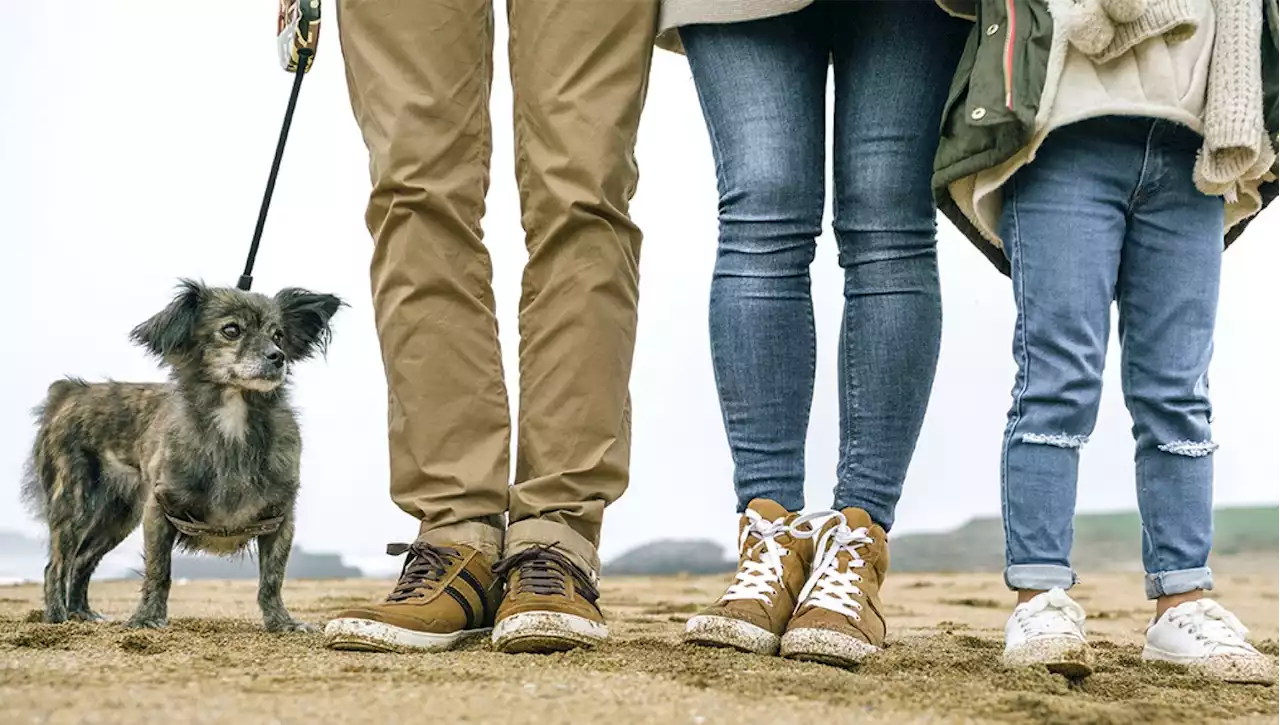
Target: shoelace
(541,570)
(1044,615)
(829,587)
(424,566)
(1212,624)
(756,579)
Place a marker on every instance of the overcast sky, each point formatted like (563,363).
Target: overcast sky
(135,139)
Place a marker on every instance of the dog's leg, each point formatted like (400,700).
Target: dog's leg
(91,552)
(115,512)
(99,541)
(273,558)
(159,536)
(55,604)
(55,588)
(62,549)
(72,484)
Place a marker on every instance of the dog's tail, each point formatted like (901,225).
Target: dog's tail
(38,475)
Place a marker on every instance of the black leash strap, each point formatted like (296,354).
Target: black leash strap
(246,279)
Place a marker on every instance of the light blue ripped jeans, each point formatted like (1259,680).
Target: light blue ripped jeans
(1108,211)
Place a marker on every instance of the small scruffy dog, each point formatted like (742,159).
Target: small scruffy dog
(208,461)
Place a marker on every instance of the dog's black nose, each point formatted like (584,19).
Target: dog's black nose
(275,357)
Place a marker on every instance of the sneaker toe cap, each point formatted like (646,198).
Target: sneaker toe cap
(843,648)
(718,630)
(821,620)
(749,612)
(403,620)
(1053,652)
(1249,669)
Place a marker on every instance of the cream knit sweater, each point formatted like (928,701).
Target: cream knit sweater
(1186,61)
(1237,151)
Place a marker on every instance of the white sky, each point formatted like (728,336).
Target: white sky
(134,144)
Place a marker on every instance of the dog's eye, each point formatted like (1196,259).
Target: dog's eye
(231,331)
(278,337)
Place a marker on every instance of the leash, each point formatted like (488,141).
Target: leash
(297,36)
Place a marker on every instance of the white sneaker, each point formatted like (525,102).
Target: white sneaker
(1049,631)
(1204,636)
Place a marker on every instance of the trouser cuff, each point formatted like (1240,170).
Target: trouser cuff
(1181,581)
(1039,577)
(540,532)
(482,536)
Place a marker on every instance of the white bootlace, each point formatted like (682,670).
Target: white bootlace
(756,579)
(828,587)
(1210,623)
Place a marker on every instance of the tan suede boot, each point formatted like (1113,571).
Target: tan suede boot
(772,567)
(840,619)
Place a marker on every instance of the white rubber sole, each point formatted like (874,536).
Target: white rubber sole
(1256,669)
(366,635)
(547,632)
(825,646)
(712,631)
(1067,656)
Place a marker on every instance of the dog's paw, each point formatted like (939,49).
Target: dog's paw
(291,625)
(87,615)
(148,622)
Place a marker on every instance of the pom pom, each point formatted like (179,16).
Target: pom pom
(1088,27)
(1124,11)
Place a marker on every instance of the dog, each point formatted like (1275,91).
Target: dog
(208,462)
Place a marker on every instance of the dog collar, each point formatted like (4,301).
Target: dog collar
(196,529)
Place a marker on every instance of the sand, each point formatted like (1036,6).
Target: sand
(215,665)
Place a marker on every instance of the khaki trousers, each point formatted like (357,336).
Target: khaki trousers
(419,73)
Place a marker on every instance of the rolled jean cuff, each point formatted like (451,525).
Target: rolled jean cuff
(482,536)
(529,533)
(1181,581)
(1039,577)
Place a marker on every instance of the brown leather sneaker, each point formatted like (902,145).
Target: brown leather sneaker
(839,620)
(550,604)
(772,567)
(445,595)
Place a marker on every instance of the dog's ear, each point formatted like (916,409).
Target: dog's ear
(306,321)
(169,331)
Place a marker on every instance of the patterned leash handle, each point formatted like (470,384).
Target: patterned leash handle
(297,35)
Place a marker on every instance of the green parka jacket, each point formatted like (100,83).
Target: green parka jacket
(991,109)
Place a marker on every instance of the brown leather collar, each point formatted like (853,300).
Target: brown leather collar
(195,528)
